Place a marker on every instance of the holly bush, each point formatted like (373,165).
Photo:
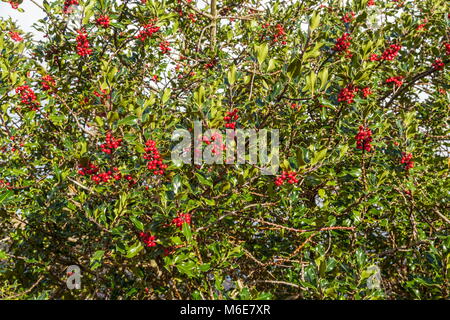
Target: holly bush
(359,91)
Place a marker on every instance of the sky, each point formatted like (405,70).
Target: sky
(24,19)
(33,13)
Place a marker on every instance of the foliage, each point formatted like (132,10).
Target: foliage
(156,66)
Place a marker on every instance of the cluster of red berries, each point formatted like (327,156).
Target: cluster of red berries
(289,176)
(343,43)
(152,154)
(88,170)
(398,81)
(363,139)
(13,145)
(14,5)
(28,97)
(68,4)
(105,177)
(164,47)
(366,92)
(103,21)
(407,160)
(206,140)
(348,17)
(374,57)
(422,25)
(447,48)
(295,106)
(192,17)
(182,218)
(15,36)
(277,34)
(102,94)
(130,179)
(218,146)
(5,184)
(438,64)
(388,54)
(148,31)
(370,3)
(150,241)
(230,119)
(83,43)
(47,82)
(168,251)
(110,144)
(348,93)
(210,64)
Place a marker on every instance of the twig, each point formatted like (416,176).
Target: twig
(280,282)
(26,291)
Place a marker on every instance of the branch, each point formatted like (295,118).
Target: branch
(442,216)
(411,82)
(26,291)
(81,185)
(302,230)
(248,17)
(74,116)
(213,23)
(280,282)
(197,10)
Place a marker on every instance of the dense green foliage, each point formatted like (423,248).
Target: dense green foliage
(278,64)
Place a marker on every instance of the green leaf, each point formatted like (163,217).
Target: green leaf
(5,195)
(271,65)
(294,68)
(232,74)
(176,240)
(176,183)
(96,259)
(99,121)
(138,224)
(88,11)
(204,267)
(83,147)
(321,193)
(312,81)
(319,156)
(186,229)
(187,268)
(313,53)
(104,86)
(203,181)
(130,120)
(166,95)
(323,76)
(112,73)
(315,20)
(300,156)
(199,96)
(343,150)
(360,257)
(3,255)
(261,52)
(134,250)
